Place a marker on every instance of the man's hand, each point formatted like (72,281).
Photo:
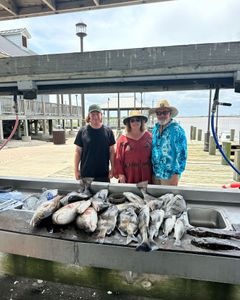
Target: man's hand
(77,175)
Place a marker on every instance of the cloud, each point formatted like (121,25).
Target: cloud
(146,25)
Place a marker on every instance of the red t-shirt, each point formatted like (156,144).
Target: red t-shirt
(133,158)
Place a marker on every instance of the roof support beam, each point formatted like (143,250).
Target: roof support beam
(50,3)
(9,6)
(198,66)
(96,2)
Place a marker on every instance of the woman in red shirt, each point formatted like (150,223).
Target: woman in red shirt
(133,151)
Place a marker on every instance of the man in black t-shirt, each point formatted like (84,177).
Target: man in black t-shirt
(94,148)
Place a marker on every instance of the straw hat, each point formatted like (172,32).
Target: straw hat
(161,104)
(134,113)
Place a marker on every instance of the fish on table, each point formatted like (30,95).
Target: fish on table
(68,213)
(142,186)
(134,198)
(88,220)
(168,226)
(179,230)
(156,220)
(144,220)
(107,222)
(85,185)
(215,243)
(207,232)
(128,224)
(100,200)
(45,210)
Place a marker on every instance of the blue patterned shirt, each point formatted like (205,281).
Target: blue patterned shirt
(169,150)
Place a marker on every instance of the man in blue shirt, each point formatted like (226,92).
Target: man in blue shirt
(169,145)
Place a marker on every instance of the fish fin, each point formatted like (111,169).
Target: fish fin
(121,232)
(163,237)
(131,238)
(145,246)
(154,245)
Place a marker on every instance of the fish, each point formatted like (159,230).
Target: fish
(174,205)
(156,219)
(142,186)
(66,214)
(168,226)
(106,222)
(83,205)
(219,233)
(124,206)
(99,200)
(128,224)
(71,197)
(88,220)
(179,230)
(179,205)
(45,210)
(131,197)
(167,200)
(144,219)
(155,204)
(215,244)
(84,190)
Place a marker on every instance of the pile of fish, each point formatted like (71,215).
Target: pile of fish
(215,239)
(139,219)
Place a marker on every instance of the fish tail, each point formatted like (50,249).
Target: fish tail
(144,246)
(163,237)
(153,245)
(131,238)
(177,243)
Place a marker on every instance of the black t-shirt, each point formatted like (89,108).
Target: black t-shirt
(95,145)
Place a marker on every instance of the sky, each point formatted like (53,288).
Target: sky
(167,23)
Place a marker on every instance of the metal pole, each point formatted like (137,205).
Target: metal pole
(77,109)
(119,127)
(82,95)
(206,142)
(217,121)
(108,114)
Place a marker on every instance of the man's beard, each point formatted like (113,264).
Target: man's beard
(163,122)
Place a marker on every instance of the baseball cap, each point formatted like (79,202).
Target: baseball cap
(94,107)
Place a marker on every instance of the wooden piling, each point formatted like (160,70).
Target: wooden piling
(226,147)
(212,146)
(199,135)
(232,135)
(194,133)
(236,176)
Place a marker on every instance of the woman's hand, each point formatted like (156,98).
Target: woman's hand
(122,178)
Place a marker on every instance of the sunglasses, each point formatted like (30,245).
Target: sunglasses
(132,120)
(164,113)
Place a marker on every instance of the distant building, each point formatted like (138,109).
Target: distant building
(33,115)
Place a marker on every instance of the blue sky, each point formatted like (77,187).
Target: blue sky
(158,24)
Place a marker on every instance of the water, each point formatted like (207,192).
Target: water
(225,124)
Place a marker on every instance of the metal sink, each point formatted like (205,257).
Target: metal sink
(207,217)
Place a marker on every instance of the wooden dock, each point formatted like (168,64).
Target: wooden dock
(47,160)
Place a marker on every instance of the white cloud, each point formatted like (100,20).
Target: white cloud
(157,24)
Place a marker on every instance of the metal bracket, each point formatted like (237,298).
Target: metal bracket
(27,88)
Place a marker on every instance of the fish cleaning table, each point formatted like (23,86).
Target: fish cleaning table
(71,246)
